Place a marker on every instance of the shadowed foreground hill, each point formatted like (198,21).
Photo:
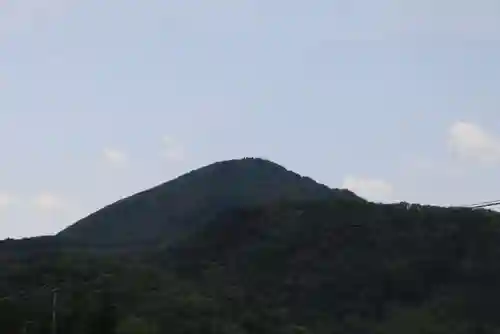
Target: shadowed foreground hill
(348,267)
(325,267)
(181,206)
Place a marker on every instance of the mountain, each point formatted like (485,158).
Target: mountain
(258,249)
(312,266)
(174,209)
(351,267)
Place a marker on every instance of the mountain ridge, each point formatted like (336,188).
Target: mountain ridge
(176,207)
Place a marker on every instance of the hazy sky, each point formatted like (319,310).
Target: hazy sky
(394,99)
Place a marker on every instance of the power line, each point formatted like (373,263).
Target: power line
(479,203)
(488,205)
(484,204)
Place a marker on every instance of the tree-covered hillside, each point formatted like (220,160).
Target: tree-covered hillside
(181,206)
(318,266)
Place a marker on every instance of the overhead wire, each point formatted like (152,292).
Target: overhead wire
(484,204)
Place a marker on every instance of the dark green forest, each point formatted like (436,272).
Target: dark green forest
(314,262)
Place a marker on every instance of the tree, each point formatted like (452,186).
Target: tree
(104,320)
(136,325)
(10,316)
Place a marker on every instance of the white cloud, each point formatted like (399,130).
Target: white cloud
(371,189)
(172,150)
(6,200)
(48,202)
(469,141)
(114,156)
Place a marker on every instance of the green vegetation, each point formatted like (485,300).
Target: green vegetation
(179,207)
(332,264)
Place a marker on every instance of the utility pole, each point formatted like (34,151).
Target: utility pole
(26,325)
(54,310)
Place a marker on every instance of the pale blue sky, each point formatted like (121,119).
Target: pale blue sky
(397,100)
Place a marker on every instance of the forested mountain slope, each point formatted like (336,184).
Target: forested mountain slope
(178,207)
(315,266)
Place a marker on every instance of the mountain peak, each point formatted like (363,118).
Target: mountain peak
(181,206)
